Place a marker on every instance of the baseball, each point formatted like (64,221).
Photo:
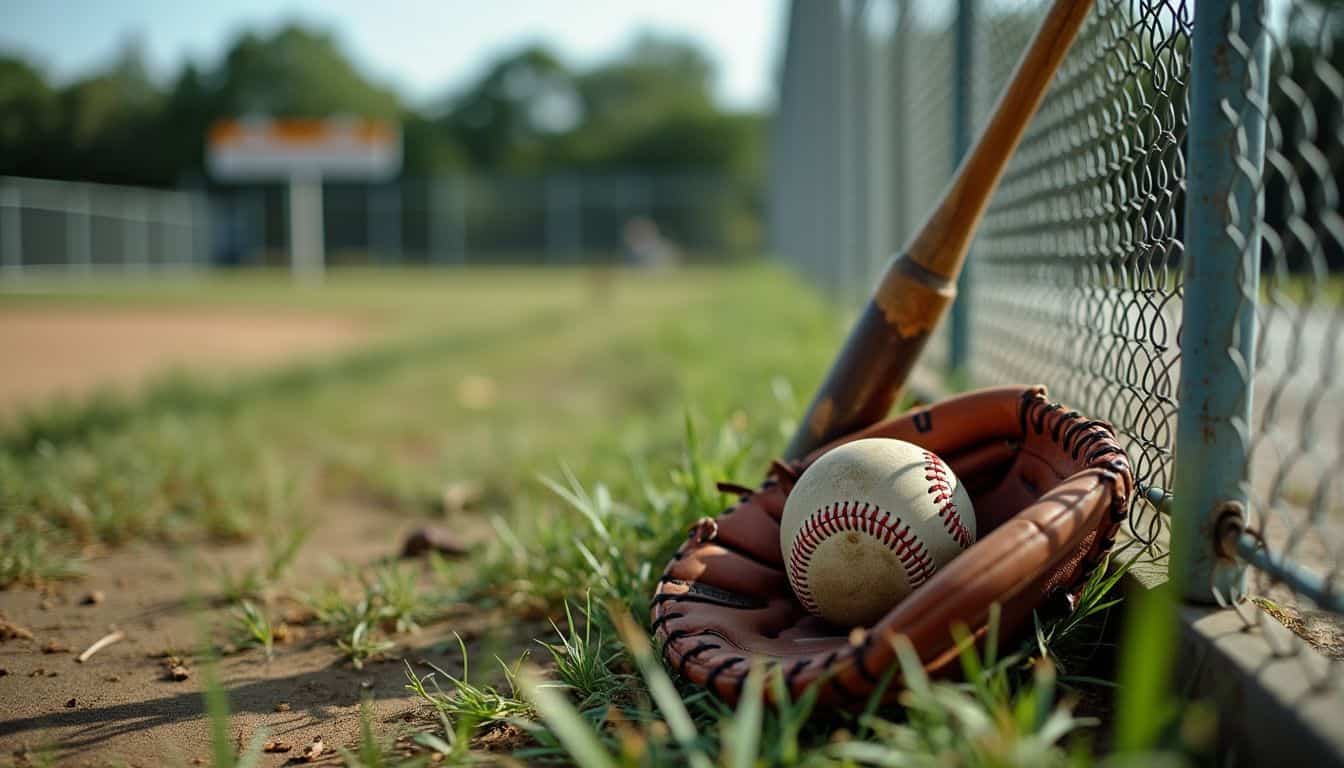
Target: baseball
(868,523)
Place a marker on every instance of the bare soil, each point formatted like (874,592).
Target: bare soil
(68,352)
(122,705)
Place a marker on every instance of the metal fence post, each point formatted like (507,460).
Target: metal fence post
(202,243)
(959,324)
(553,197)
(258,236)
(813,143)
(135,232)
(384,211)
(1228,101)
(856,155)
(436,221)
(78,239)
(448,220)
(878,87)
(11,233)
(783,127)
(900,127)
(459,184)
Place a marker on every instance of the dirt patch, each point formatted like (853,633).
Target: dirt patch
(124,703)
(69,352)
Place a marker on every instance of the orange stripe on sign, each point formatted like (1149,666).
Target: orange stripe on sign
(298,132)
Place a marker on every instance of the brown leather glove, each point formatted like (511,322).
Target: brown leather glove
(1049,487)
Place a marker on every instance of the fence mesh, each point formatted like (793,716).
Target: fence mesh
(71,226)
(60,227)
(1297,436)
(1075,274)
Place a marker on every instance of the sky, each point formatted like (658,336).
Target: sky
(426,49)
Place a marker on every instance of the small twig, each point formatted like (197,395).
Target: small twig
(103,642)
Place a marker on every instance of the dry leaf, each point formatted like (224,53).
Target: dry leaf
(312,751)
(12,631)
(430,539)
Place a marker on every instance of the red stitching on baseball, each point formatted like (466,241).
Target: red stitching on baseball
(940,489)
(835,518)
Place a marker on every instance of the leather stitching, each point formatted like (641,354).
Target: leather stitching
(940,488)
(663,619)
(861,662)
(696,651)
(794,671)
(868,518)
(845,690)
(720,669)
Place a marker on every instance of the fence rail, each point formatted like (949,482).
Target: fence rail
(76,228)
(1166,250)
(79,228)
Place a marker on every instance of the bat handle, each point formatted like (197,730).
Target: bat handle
(882,348)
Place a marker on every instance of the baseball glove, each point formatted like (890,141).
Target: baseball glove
(1049,488)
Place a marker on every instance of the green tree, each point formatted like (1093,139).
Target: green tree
(297,72)
(656,75)
(651,108)
(108,122)
(29,118)
(508,119)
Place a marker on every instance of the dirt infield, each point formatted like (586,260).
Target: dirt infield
(70,352)
(123,705)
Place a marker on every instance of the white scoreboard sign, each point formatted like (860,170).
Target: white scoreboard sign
(304,152)
(334,148)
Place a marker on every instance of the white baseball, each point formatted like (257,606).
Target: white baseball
(869,522)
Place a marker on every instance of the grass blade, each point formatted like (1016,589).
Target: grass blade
(565,722)
(743,734)
(662,690)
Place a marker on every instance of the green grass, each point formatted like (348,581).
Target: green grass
(574,380)
(607,700)
(595,427)
(252,627)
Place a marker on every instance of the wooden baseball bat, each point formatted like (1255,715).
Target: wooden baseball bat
(921,281)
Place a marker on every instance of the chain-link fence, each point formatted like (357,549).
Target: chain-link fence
(487,219)
(1141,173)
(1075,276)
(1295,445)
(75,228)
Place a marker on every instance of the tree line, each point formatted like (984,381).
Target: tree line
(649,109)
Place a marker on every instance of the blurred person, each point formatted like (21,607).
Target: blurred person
(643,246)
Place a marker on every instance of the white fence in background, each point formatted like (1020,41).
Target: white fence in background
(63,228)
(490,219)
(81,229)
